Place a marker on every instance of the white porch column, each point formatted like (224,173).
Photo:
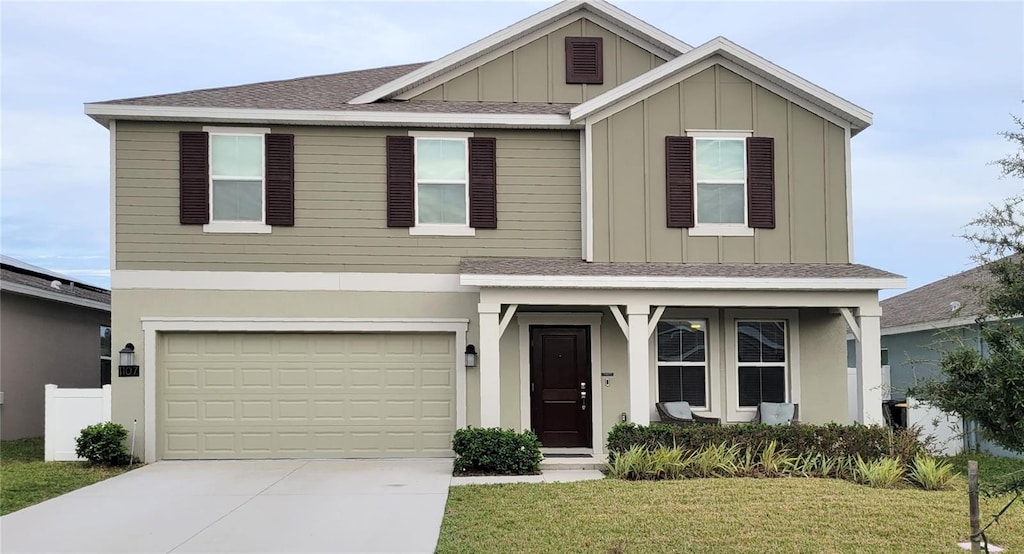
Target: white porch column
(869,366)
(490,388)
(639,364)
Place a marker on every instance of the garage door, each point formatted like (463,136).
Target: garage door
(300,395)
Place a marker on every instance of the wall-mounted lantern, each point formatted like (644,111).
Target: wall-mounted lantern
(470,355)
(126,366)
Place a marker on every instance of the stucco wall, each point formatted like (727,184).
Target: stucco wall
(44,342)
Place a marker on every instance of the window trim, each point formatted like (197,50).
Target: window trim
(784,364)
(706,407)
(736,413)
(719,229)
(238,227)
(439,229)
(716,403)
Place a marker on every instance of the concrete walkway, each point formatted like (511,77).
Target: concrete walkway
(244,506)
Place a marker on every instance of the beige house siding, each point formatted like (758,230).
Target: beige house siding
(822,354)
(340,207)
(535,72)
(629,176)
(130,306)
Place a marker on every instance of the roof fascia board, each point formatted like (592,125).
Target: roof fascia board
(796,88)
(771,86)
(672,46)
(495,53)
(706,63)
(467,52)
(645,93)
(937,325)
(25,290)
(693,283)
(103,113)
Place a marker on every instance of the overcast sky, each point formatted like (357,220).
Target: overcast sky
(941,78)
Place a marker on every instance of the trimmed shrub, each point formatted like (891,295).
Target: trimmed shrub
(632,465)
(832,441)
(884,473)
(931,474)
(103,444)
(496,451)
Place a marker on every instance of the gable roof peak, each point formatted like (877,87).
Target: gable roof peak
(775,77)
(648,36)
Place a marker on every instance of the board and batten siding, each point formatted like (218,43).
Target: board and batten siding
(340,206)
(535,72)
(629,176)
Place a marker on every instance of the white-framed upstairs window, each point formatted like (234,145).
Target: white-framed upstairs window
(441,184)
(237,180)
(682,362)
(720,183)
(762,362)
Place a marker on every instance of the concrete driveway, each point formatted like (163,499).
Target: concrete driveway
(244,506)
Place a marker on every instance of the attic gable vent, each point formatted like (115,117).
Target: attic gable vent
(584,60)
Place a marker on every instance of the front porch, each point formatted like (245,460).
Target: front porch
(569,357)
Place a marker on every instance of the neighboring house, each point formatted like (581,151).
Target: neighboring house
(53,330)
(919,325)
(607,215)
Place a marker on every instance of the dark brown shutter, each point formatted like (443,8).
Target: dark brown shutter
(679,181)
(194,177)
(401,175)
(280,160)
(761,182)
(483,181)
(584,60)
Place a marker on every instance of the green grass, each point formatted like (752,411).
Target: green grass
(25,479)
(990,467)
(715,515)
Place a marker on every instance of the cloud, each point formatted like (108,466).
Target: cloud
(941,79)
(911,203)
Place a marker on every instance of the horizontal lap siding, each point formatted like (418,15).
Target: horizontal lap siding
(340,209)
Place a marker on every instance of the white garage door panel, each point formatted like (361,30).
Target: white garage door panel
(264,395)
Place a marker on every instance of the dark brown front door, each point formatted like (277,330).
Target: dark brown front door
(560,385)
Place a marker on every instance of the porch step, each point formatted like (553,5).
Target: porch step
(574,463)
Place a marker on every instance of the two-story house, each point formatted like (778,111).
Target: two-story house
(552,228)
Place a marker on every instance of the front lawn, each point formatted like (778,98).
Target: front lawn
(25,479)
(715,515)
(990,467)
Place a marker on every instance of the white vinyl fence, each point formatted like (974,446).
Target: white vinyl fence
(945,430)
(68,411)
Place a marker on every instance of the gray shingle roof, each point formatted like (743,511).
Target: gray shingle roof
(71,289)
(329,93)
(575,267)
(931,303)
